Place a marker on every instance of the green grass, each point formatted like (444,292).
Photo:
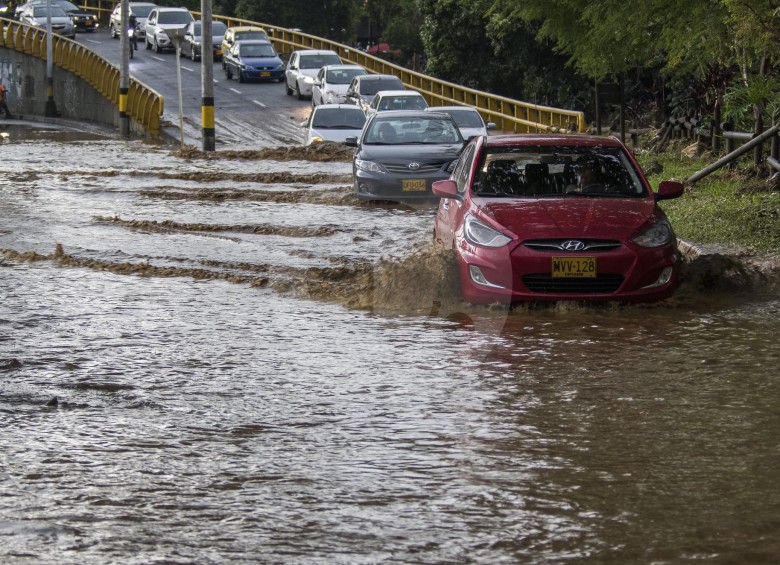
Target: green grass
(733,207)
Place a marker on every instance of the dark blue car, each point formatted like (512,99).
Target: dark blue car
(253,60)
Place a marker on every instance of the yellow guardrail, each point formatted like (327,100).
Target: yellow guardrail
(145,105)
(509,115)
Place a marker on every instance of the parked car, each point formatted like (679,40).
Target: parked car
(331,83)
(191,44)
(469,120)
(362,89)
(253,59)
(334,122)
(162,24)
(82,20)
(141,12)
(400,154)
(523,226)
(239,33)
(396,100)
(37,16)
(303,66)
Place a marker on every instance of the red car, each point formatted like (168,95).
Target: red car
(541,217)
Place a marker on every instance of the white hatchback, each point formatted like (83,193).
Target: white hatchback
(303,67)
(330,85)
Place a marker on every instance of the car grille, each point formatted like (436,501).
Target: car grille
(547,284)
(592,245)
(403,168)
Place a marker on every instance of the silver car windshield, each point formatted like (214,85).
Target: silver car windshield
(412,130)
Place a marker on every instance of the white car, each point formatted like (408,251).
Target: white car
(330,85)
(396,100)
(140,10)
(303,67)
(333,122)
(469,120)
(162,24)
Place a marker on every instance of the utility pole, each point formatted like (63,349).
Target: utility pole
(124,69)
(207,77)
(51,106)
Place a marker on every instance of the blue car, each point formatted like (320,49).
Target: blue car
(253,60)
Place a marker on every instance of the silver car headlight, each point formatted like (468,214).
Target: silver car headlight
(369,166)
(308,80)
(481,234)
(657,235)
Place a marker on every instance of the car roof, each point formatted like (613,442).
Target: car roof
(452,108)
(252,42)
(343,66)
(398,93)
(410,114)
(349,107)
(171,9)
(376,77)
(315,51)
(572,140)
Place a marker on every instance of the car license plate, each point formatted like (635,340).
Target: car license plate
(412,185)
(265,74)
(577,267)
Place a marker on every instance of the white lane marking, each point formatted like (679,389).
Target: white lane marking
(93,41)
(259,103)
(235,90)
(188,69)
(159,59)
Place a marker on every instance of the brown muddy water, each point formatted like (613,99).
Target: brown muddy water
(227,359)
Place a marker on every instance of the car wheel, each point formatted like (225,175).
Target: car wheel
(298,91)
(112,31)
(241,77)
(287,88)
(193,56)
(228,74)
(147,44)
(157,48)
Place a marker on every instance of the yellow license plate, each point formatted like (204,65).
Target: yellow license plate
(412,185)
(265,74)
(576,267)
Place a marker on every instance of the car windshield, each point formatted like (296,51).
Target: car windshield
(466,118)
(371,87)
(141,11)
(256,50)
(251,35)
(570,171)
(177,17)
(402,103)
(342,76)
(318,61)
(56,12)
(338,118)
(217,28)
(412,130)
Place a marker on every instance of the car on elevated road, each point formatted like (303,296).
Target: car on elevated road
(163,24)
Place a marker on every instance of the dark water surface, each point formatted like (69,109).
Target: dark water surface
(251,367)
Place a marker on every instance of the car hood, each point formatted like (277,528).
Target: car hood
(571,216)
(55,20)
(260,61)
(413,151)
(333,134)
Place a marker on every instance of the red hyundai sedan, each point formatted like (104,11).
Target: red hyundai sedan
(541,217)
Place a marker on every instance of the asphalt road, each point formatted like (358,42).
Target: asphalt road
(247,115)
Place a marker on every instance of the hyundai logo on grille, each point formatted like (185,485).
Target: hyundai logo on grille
(414,166)
(572,245)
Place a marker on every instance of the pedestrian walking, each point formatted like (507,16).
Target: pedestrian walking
(4,101)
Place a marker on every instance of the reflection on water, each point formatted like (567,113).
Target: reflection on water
(254,379)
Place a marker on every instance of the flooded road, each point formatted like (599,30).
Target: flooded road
(231,360)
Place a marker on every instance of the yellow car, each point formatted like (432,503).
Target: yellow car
(233,34)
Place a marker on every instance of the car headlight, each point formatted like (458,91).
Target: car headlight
(162,35)
(308,80)
(369,166)
(480,234)
(657,235)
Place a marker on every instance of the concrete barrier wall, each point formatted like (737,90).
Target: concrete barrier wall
(25,78)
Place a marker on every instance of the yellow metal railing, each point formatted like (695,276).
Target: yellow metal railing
(145,105)
(509,115)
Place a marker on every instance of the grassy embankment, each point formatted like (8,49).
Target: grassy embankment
(732,207)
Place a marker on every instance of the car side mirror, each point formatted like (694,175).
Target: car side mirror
(446,189)
(490,125)
(351,141)
(669,189)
